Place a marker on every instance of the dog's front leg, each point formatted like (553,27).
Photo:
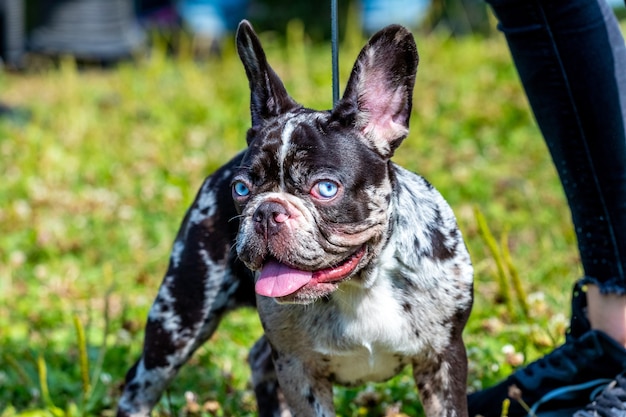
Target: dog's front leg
(269,397)
(307,394)
(442,383)
(203,281)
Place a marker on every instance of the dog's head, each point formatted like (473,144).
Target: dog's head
(314,187)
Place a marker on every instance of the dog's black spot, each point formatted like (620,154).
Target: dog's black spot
(405,284)
(428,184)
(417,244)
(460,296)
(158,345)
(188,288)
(406,306)
(402,223)
(310,397)
(132,372)
(445,322)
(132,388)
(425,392)
(439,249)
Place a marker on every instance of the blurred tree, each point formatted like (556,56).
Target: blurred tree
(460,17)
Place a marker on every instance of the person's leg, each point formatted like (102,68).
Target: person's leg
(571,59)
(607,312)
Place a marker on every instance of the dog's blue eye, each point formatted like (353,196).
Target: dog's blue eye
(327,189)
(241,189)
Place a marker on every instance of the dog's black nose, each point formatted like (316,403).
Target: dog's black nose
(269,217)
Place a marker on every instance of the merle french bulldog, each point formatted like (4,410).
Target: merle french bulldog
(356,266)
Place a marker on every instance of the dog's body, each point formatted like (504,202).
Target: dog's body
(360,268)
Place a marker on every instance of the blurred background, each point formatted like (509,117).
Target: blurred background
(108,31)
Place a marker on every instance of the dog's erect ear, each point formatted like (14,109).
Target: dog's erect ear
(268,97)
(379,93)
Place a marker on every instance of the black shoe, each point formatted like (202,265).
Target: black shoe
(610,403)
(565,378)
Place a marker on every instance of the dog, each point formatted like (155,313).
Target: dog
(356,266)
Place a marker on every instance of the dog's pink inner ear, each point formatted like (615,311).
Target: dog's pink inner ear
(384,112)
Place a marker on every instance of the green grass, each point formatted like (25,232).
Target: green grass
(99,167)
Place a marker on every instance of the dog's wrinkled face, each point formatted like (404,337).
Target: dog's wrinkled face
(314,205)
(314,189)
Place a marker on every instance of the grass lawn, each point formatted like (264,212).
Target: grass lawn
(98,168)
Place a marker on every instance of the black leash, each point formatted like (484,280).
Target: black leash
(334,35)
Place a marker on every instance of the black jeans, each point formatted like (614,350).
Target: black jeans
(571,59)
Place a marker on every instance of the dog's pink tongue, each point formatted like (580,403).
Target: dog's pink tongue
(279,280)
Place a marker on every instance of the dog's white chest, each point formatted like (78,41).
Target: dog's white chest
(366,363)
(372,339)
